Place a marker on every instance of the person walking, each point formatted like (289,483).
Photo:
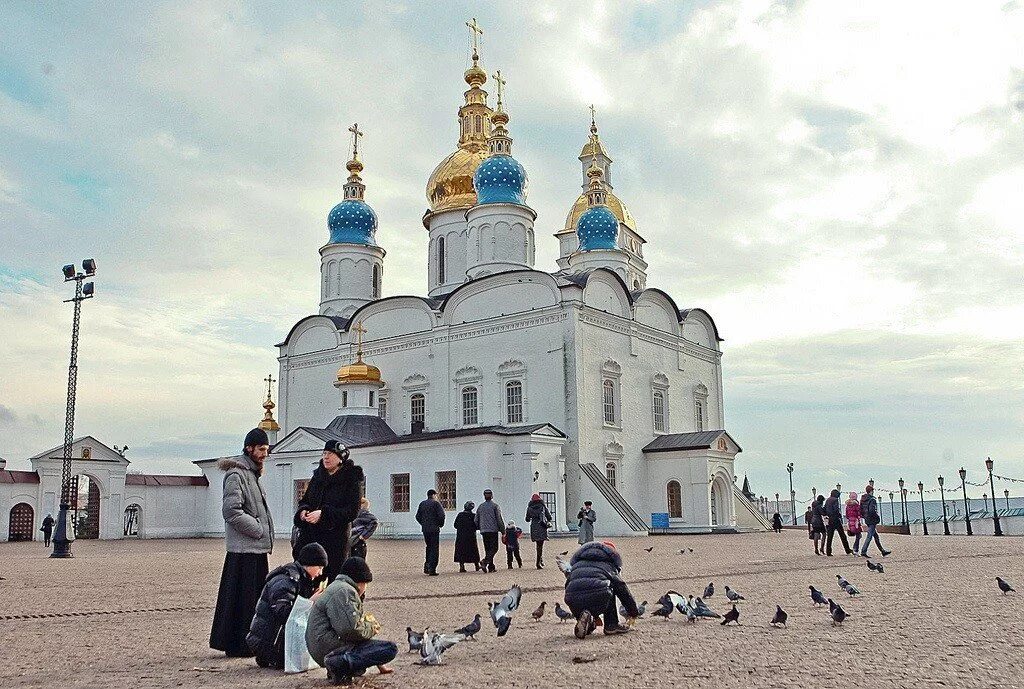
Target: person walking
(587,517)
(808,518)
(466,549)
(835,523)
(818,524)
(249,540)
(47,529)
(869,512)
(364,526)
(777,522)
(490,523)
(430,516)
(329,505)
(853,520)
(539,518)
(510,538)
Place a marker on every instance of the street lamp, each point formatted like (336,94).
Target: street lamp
(777,502)
(992,485)
(903,502)
(892,508)
(920,489)
(1006,494)
(942,494)
(906,507)
(839,487)
(64,534)
(967,505)
(814,493)
(792,493)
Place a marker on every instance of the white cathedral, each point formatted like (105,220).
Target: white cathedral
(582,383)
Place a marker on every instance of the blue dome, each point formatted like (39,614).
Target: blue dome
(597,228)
(500,179)
(352,222)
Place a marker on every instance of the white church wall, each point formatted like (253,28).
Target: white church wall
(604,293)
(654,310)
(506,294)
(690,469)
(394,317)
(168,511)
(12,494)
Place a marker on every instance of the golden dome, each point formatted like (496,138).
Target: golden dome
(358,372)
(451,183)
(617,207)
(592,148)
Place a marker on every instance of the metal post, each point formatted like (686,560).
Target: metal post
(903,503)
(924,519)
(64,533)
(942,494)
(892,508)
(1006,494)
(992,485)
(967,505)
(792,493)
(776,502)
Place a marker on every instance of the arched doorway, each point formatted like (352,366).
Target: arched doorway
(719,503)
(132,519)
(22,523)
(85,505)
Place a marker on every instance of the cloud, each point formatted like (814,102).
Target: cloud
(835,183)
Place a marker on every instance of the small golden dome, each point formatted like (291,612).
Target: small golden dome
(358,372)
(451,183)
(592,148)
(475,75)
(354,166)
(616,206)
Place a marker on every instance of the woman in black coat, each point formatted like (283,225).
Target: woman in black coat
(540,521)
(466,548)
(818,524)
(329,505)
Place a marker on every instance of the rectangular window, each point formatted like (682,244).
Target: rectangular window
(371,404)
(549,502)
(399,492)
(659,411)
(444,483)
(344,398)
(470,414)
(699,413)
(300,490)
(382,408)
(608,398)
(514,401)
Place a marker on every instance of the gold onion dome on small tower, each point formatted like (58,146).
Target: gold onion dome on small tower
(358,371)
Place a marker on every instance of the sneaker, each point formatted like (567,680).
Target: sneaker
(584,625)
(886,553)
(608,631)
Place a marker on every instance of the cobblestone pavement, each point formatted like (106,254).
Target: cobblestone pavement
(137,614)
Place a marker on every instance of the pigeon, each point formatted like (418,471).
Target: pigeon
(852,590)
(1004,587)
(415,639)
(872,566)
(564,553)
(701,609)
(817,597)
(838,614)
(732,595)
(563,565)
(470,629)
(640,610)
(683,551)
(732,616)
(709,590)
(649,549)
(501,612)
(665,610)
(879,568)
(780,617)
(691,614)
(843,583)
(539,612)
(676,600)
(562,614)
(436,644)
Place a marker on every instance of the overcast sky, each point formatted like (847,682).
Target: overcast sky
(840,184)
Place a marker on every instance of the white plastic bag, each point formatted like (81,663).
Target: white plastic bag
(296,655)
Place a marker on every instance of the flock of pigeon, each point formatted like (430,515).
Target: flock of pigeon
(432,645)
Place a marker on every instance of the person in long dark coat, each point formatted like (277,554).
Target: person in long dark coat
(249,539)
(539,519)
(329,505)
(818,524)
(47,529)
(467,551)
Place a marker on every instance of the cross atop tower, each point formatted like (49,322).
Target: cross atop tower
(501,86)
(593,119)
(269,380)
(355,140)
(475,32)
(358,329)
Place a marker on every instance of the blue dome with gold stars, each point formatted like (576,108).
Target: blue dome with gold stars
(597,228)
(352,222)
(500,179)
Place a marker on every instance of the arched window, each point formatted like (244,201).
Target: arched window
(440,260)
(470,409)
(608,400)
(514,401)
(132,517)
(659,411)
(609,473)
(375,286)
(382,407)
(698,412)
(675,500)
(479,124)
(418,408)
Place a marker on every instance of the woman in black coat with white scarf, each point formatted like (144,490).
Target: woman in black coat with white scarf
(329,505)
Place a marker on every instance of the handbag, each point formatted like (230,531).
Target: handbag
(296,655)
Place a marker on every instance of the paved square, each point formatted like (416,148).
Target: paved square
(935,618)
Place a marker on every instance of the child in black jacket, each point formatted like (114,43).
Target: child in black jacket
(511,539)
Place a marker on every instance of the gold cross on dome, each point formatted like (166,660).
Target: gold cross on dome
(475,32)
(358,329)
(269,380)
(355,139)
(501,86)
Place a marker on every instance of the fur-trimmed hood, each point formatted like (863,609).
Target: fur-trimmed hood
(242,462)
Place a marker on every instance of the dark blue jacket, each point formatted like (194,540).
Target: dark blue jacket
(594,580)
(266,633)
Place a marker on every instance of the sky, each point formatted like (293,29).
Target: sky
(841,185)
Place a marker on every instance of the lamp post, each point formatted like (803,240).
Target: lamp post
(942,494)
(792,493)
(839,487)
(903,502)
(992,485)
(64,534)
(920,489)
(814,493)
(892,508)
(906,507)
(777,502)
(1006,494)
(967,505)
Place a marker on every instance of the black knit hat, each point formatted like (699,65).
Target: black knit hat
(255,437)
(313,555)
(356,569)
(337,448)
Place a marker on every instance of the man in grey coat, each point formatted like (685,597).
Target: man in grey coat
(248,539)
(490,523)
(587,517)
